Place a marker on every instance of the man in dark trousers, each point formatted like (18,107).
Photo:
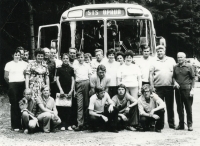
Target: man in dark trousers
(184,76)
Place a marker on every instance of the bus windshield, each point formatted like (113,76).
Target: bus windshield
(121,34)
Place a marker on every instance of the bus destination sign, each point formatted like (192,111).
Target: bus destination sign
(104,12)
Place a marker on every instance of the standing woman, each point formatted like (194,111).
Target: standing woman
(65,82)
(120,57)
(37,74)
(111,70)
(14,76)
(129,74)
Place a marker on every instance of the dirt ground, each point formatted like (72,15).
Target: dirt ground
(168,136)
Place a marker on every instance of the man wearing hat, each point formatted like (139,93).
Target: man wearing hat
(161,81)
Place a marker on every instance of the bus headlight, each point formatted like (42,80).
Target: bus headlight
(134,12)
(75,14)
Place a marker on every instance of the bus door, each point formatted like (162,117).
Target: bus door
(49,36)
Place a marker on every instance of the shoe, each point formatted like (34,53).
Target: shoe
(70,128)
(172,127)
(79,128)
(46,131)
(180,127)
(190,128)
(130,128)
(26,131)
(113,130)
(158,130)
(62,128)
(54,130)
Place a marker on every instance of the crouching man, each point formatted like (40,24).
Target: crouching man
(28,110)
(151,109)
(127,106)
(101,114)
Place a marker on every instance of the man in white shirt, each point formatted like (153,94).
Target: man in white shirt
(82,73)
(145,64)
(99,59)
(100,114)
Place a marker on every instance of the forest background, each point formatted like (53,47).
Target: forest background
(178,21)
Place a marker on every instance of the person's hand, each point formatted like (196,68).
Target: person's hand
(104,118)
(152,112)
(124,118)
(110,109)
(153,89)
(70,93)
(176,85)
(61,91)
(54,79)
(139,92)
(23,104)
(127,110)
(192,92)
(91,92)
(155,116)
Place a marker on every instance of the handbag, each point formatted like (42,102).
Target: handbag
(63,101)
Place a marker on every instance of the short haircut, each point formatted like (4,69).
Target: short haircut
(129,53)
(39,51)
(98,50)
(73,49)
(181,53)
(54,49)
(88,55)
(145,87)
(43,87)
(64,54)
(28,90)
(110,51)
(119,53)
(79,54)
(121,86)
(45,49)
(160,47)
(143,47)
(20,48)
(17,51)
(101,67)
(99,89)
(26,51)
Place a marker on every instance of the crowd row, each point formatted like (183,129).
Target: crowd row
(101,93)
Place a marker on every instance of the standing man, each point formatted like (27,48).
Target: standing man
(82,73)
(99,59)
(161,81)
(72,56)
(145,64)
(26,56)
(53,52)
(99,79)
(185,77)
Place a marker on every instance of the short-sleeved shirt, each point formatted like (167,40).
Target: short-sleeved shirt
(48,103)
(65,74)
(82,72)
(145,107)
(129,74)
(16,70)
(122,104)
(163,71)
(95,64)
(97,105)
(96,82)
(111,71)
(145,65)
(184,75)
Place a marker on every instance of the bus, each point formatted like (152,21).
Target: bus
(103,26)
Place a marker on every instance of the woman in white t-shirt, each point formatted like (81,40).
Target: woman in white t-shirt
(14,76)
(111,70)
(129,74)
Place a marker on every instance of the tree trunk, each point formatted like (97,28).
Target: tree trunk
(32,31)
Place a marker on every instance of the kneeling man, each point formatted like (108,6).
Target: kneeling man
(102,112)
(151,109)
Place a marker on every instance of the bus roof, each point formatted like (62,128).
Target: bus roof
(109,5)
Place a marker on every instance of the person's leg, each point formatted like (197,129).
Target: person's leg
(133,117)
(79,97)
(55,121)
(112,91)
(133,91)
(73,117)
(169,99)
(62,114)
(145,122)
(44,120)
(25,119)
(160,122)
(188,106)
(180,110)
(95,122)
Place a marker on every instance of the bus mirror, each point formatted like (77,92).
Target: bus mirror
(160,41)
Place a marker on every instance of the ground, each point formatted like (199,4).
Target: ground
(168,136)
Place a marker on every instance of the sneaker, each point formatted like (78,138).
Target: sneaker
(70,128)
(62,128)
(190,128)
(130,128)
(16,130)
(158,130)
(79,128)
(26,131)
(180,127)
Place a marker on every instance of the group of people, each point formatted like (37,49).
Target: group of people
(109,93)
